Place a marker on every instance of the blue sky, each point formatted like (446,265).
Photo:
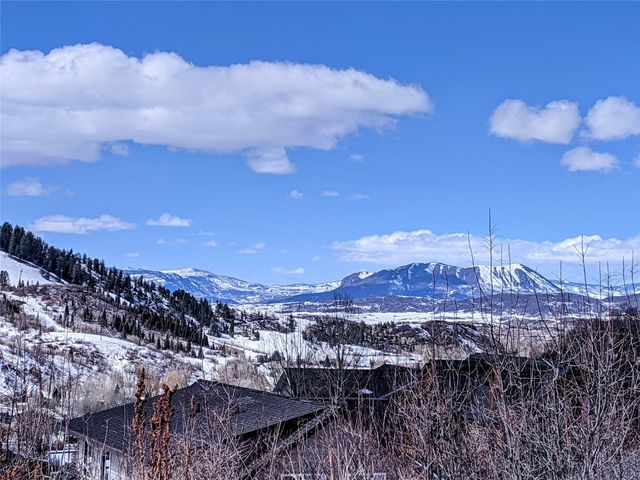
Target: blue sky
(449,110)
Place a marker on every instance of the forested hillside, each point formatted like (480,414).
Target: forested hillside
(146,305)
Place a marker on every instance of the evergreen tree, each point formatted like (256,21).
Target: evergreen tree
(4,278)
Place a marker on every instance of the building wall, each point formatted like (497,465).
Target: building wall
(95,462)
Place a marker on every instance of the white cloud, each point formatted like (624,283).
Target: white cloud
(284,271)
(270,160)
(210,243)
(357,157)
(296,195)
(316,258)
(133,254)
(555,123)
(401,247)
(172,243)
(29,187)
(583,159)
(73,102)
(120,149)
(359,196)
(253,250)
(79,225)
(168,220)
(613,118)
(636,162)
(330,193)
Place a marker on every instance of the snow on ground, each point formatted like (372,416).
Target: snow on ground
(374,317)
(42,344)
(293,345)
(22,271)
(36,307)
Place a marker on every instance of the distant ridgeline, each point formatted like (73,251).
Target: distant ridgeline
(147,306)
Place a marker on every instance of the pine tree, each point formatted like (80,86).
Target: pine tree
(6,233)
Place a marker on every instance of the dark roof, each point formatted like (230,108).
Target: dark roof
(481,363)
(332,383)
(245,411)
(378,383)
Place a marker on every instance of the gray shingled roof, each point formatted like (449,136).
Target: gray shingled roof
(245,411)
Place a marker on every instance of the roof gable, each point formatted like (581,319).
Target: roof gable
(244,410)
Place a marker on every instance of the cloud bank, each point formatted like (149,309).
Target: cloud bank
(79,225)
(402,247)
(75,102)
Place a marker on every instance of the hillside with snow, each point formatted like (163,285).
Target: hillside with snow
(21,271)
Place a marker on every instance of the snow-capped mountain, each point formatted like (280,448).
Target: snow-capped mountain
(603,290)
(422,280)
(211,286)
(438,280)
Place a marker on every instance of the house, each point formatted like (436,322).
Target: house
(471,384)
(330,385)
(106,439)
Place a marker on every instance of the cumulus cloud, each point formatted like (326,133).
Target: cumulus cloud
(330,193)
(133,254)
(75,101)
(29,187)
(613,118)
(554,123)
(79,225)
(583,159)
(296,194)
(636,161)
(253,250)
(210,243)
(357,157)
(402,247)
(168,220)
(284,271)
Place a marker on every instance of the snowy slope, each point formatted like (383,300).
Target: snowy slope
(28,273)
(438,280)
(601,291)
(42,347)
(211,286)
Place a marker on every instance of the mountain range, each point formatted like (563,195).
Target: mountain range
(211,286)
(422,280)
